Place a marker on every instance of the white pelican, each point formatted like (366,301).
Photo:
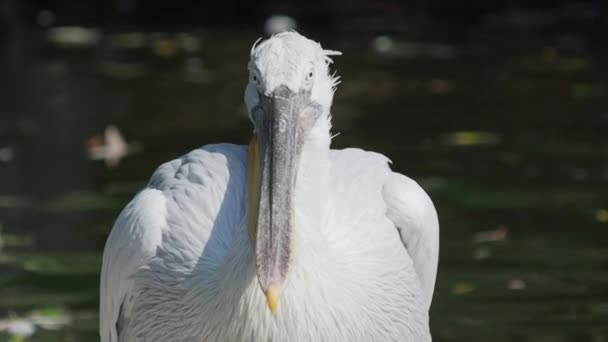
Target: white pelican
(284,240)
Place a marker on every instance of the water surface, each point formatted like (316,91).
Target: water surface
(507,137)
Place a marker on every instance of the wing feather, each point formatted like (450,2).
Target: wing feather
(187,195)
(413,212)
(132,243)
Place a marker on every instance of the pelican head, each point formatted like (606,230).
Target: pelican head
(289,90)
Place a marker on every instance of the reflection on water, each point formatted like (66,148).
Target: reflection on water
(508,138)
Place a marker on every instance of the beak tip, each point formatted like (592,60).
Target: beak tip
(272,298)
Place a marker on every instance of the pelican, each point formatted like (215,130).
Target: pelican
(282,240)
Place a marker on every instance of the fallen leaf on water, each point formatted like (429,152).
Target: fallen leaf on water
(601,215)
(18,327)
(165,48)
(440,86)
(22,328)
(111,148)
(471,138)
(50,318)
(498,234)
(462,288)
(516,284)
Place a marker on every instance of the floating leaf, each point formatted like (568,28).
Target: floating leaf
(20,328)
(516,284)
(471,138)
(50,317)
(462,288)
(498,234)
(601,215)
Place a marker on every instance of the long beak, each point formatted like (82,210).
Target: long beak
(274,155)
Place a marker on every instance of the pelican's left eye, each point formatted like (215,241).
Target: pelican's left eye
(309,78)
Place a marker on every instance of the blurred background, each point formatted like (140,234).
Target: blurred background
(498,108)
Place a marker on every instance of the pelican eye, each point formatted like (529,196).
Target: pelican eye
(255,78)
(309,79)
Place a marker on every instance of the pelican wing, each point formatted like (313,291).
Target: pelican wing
(132,243)
(415,217)
(361,176)
(169,221)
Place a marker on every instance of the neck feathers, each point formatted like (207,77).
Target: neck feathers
(313,176)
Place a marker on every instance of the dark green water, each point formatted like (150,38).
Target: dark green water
(507,136)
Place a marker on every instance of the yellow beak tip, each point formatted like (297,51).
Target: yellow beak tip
(272,297)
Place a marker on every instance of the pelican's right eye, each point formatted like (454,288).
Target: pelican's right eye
(255,78)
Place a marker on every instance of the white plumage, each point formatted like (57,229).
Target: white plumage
(179,264)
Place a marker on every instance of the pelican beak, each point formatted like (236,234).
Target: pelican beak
(282,119)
